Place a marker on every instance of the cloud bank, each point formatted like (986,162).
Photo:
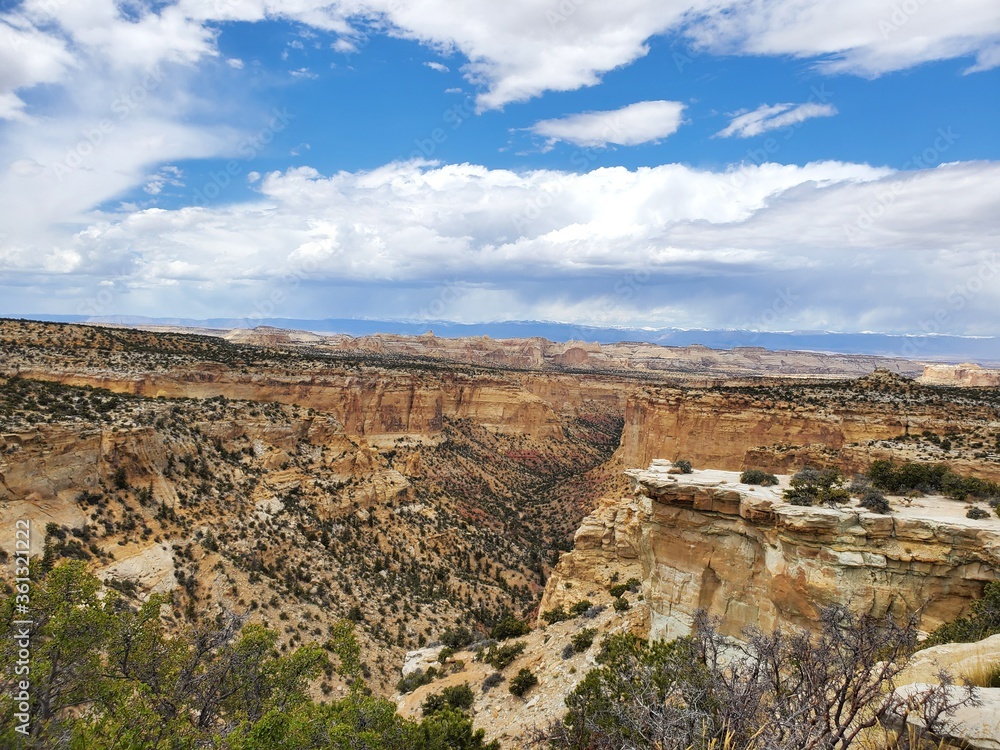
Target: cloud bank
(667,245)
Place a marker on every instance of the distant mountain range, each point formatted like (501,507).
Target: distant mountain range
(941,348)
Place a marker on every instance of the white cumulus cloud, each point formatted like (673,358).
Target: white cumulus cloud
(629,126)
(857,246)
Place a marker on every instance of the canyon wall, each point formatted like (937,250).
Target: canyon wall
(381,404)
(732,430)
(706,541)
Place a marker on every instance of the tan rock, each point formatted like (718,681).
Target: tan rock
(706,542)
(961,660)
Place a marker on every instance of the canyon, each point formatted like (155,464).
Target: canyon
(414,484)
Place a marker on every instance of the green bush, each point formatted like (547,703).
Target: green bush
(632,584)
(810,486)
(416,679)
(558,614)
(522,682)
(910,476)
(684,465)
(758,477)
(457,638)
(982,621)
(500,656)
(621,604)
(509,627)
(459,697)
(977,514)
(875,501)
(580,608)
(583,640)
(222,685)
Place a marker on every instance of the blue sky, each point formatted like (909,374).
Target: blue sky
(786,165)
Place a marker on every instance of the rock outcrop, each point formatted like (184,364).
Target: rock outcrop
(976,725)
(705,541)
(967,374)
(722,428)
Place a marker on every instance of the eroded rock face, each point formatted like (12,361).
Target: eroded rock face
(720,429)
(605,551)
(968,375)
(705,541)
(373,405)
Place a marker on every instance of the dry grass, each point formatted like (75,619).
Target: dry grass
(985,673)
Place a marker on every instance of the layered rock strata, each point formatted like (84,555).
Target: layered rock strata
(705,541)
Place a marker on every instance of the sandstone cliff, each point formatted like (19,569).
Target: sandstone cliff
(781,427)
(706,541)
(966,374)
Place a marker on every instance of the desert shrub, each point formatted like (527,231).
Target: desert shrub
(909,476)
(583,640)
(982,621)
(491,681)
(446,654)
(459,697)
(594,611)
(580,608)
(557,614)
(694,692)
(684,465)
(457,638)
(568,651)
(621,604)
(632,584)
(221,685)
(509,627)
(875,501)
(810,486)
(501,655)
(860,484)
(522,682)
(976,514)
(758,477)
(416,679)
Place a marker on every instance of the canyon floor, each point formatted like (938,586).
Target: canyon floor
(410,485)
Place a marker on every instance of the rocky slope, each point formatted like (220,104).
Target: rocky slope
(276,512)
(705,541)
(301,485)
